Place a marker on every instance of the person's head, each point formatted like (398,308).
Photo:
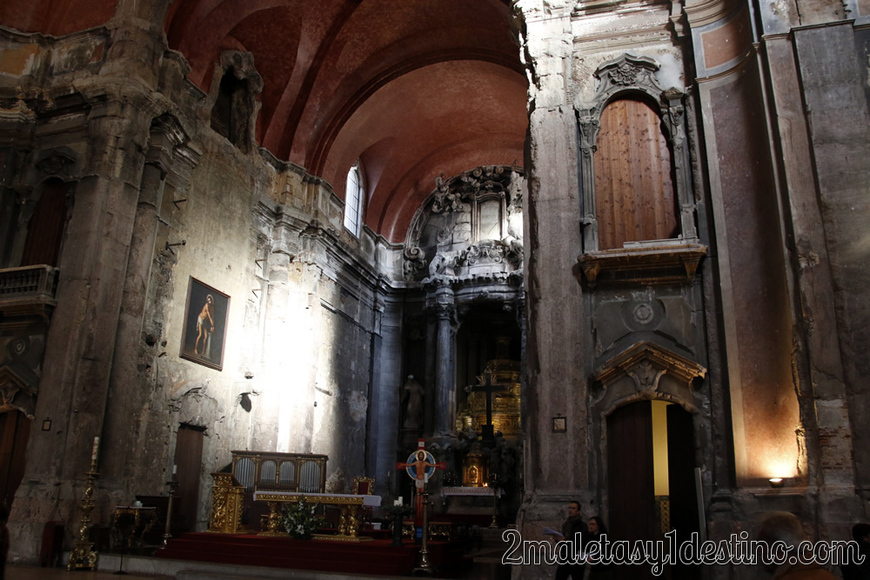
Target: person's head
(421,455)
(596,525)
(573,508)
(781,527)
(860,533)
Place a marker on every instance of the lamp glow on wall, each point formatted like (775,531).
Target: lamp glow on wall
(780,470)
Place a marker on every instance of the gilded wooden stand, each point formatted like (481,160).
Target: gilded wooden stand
(226,504)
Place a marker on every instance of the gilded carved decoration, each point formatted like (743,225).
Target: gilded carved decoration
(226,504)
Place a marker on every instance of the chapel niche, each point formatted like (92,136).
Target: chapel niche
(235,105)
(489,343)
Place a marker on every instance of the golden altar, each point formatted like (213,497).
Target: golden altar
(348,529)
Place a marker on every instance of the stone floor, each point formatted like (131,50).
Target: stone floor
(17,572)
(142,568)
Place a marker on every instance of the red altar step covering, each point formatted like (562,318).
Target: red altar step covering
(374,557)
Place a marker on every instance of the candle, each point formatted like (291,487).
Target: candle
(95,450)
(174,469)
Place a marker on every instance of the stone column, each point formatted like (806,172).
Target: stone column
(833,289)
(120,458)
(80,347)
(384,406)
(445,363)
(429,383)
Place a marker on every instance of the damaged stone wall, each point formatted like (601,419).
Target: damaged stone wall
(762,318)
(172,201)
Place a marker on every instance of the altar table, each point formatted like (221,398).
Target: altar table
(348,529)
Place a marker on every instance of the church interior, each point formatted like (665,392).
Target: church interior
(611,251)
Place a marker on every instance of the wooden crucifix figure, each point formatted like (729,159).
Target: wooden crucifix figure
(487,387)
(420,467)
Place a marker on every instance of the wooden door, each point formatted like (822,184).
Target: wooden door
(188,460)
(630,479)
(634,194)
(14,433)
(45,230)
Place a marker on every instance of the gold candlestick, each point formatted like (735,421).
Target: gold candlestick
(83,556)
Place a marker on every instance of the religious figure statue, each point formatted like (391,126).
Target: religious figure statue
(413,397)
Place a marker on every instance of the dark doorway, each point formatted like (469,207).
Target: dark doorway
(651,485)
(681,478)
(14,433)
(631,478)
(188,460)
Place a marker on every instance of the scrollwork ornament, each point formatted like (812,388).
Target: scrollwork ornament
(589,127)
(625,74)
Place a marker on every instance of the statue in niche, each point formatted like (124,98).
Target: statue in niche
(412,394)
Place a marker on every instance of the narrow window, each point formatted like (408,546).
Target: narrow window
(353,199)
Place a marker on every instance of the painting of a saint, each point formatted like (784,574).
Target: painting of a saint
(205,325)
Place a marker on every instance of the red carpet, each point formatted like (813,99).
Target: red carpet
(374,557)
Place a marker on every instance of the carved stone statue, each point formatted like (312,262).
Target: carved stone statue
(412,394)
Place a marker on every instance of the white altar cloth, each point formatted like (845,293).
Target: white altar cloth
(328,498)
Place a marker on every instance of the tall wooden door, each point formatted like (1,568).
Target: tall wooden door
(631,478)
(45,230)
(188,460)
(14,433)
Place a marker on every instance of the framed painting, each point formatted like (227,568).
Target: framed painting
(205,325)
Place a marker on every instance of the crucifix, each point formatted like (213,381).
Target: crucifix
(488,388)
(420,467)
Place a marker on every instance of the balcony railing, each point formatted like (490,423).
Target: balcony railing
(28,290)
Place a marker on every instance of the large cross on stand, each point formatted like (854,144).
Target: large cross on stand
(420,467)
(488,388)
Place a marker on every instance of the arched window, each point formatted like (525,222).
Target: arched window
(353,199)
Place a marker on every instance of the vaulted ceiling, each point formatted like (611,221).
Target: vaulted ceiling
(414,89)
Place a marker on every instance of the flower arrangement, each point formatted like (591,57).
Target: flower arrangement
(300,521)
